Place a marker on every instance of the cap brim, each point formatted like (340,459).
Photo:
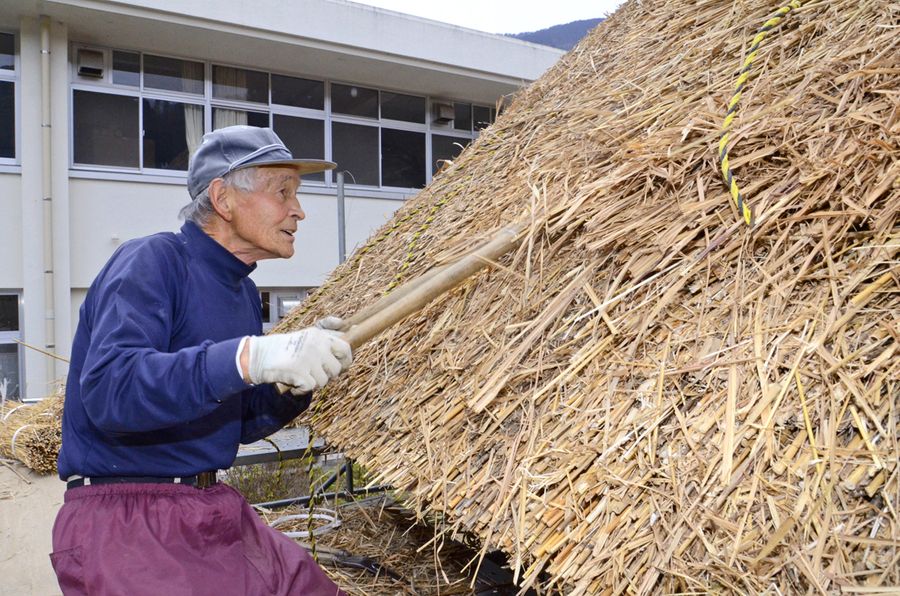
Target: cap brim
(303,166)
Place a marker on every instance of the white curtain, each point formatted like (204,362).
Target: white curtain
(193,127)
(192,82)
(230,83)
(192,77)
(223,117)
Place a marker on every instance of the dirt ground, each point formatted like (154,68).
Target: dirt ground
(28,506)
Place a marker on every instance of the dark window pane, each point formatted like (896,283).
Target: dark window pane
(402,158)
(105,129)
(7,52)
(355,149)
(445,148)
(172,131)
(172,74)
(127,69)
(7,119)
(482,117)
(9,313)
(304,137)
(240,84)
(356,101)
(396,106)
(302,93)
(9,371)
(266,312)
(260,119)
(223,117)
(462,119)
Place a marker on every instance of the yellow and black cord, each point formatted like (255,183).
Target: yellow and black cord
(745,210)
(411,246)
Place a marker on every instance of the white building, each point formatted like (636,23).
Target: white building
(101,102)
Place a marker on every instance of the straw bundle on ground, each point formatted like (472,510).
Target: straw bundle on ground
(32,433)
(648,395)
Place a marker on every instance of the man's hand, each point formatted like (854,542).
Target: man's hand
(305,359)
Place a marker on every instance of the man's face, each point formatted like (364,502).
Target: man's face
(265,220)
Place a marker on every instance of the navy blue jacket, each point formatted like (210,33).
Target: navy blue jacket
(153,388)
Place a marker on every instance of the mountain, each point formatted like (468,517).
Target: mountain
(563,36)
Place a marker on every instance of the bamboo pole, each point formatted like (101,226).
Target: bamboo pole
(424,291)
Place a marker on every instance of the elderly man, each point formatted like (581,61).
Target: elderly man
(169,374)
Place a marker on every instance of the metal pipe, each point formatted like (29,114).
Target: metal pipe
(326,496)
(342,224)
(348,468)
(47,195)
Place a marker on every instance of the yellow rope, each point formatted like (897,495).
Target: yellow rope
(411,247)
(770,24)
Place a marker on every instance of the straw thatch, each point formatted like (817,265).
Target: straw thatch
(32,433)
(649,396)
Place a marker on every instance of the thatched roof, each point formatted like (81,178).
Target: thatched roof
(648,395)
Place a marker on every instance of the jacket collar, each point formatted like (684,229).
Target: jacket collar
(227,267)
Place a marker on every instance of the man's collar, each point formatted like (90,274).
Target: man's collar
(227,267)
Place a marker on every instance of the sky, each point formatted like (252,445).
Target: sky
(501,16)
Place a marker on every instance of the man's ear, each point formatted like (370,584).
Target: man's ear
(221,197)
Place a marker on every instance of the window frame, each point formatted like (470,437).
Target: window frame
(440,132)
(209,104)
(12,76)
(276,297)
(105,85)
(10,337)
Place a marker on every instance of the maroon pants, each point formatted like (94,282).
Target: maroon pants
(174,539)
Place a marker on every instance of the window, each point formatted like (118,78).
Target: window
(10,351)
(7,119)
(354,101)
(172,131)
(402,158)
(482,116)
(171,74)
(277,304)
(300,93)
(396,106)
(7,52)
(7,97)
(150,118)
(239,84)
(106,129)
(223,117)
(147,113)
(443,149)
(355,149)
(462,116)
(127,69)
(305,137)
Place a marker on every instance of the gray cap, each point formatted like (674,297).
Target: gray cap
(236,147)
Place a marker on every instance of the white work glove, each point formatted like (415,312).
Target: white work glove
(330,323)
(306,359)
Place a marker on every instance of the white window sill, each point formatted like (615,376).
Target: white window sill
(180,179)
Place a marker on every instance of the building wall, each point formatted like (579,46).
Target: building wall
(106,213)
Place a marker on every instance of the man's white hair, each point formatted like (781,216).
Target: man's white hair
(200,210)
